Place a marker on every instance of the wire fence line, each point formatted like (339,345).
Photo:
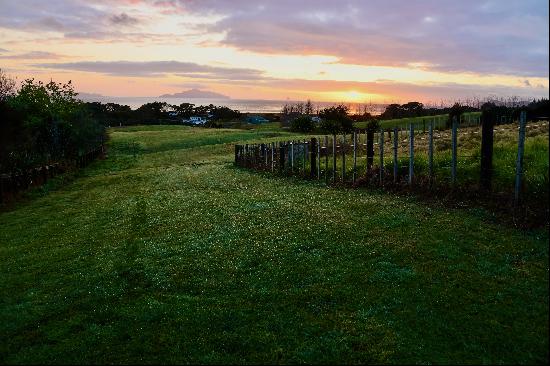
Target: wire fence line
(12,184)
(461,154)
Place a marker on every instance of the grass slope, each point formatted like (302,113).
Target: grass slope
(165,252)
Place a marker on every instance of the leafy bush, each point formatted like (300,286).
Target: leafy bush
(302,124)
(373,125)
(335,120)
(42,123)
(456,111)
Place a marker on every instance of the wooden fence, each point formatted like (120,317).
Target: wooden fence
(11,184)
(334,159)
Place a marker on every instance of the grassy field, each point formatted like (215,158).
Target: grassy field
(165,252)
(422,123)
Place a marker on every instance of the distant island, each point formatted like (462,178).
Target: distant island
(196,93)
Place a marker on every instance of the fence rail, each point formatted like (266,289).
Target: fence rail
(11,184)
(401,153)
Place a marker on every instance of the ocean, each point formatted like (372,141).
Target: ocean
(242,105)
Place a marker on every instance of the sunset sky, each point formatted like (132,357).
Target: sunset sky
(356,51)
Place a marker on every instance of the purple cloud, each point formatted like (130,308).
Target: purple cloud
(508,37)
(156,68)
(123,19)
(33,55)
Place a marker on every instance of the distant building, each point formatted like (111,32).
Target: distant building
(315,119)
(256,120)
(196,120)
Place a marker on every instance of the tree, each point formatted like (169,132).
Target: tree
(335,119)
(456,111)
(7,86)
(392,111)
(152,113)
(413,109)
(302,124)
(308,108)
(224,113)
(184,110)
(45,122)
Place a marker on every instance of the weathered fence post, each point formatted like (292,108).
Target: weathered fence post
(344,158)
(318,159)
(333,158)
(354,155)
(236,154)
(395,137)
(381,156)
(326,159)
(453,158)
(519,160)
(292,156)
(411,153)
(313,158)
(305,155)
(254,155)
(431,151)
(370,148)
(281,157)
(257,157)
(266,156)
(487,137)
(272,157)
(246,156)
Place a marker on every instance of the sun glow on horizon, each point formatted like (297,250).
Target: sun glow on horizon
(352,96)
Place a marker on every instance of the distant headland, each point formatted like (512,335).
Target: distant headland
(196,93)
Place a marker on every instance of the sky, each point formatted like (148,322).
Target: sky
(376,51)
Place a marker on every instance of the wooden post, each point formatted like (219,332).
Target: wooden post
(431,151)
(333,158)
(266,147)
(272,157)
(281,157)
(313,158)
(366,153)
(319,159)
(370,148)
(381,156)
(236,154)
(257,156)
(487,138)
(304,155)
(411,153)
(344,158)
(292,156)
(354,155)
(326,159)
(519,160)
(395,137)
(453,158)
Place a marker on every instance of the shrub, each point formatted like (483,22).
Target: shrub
(302,124)
(335,120)
(41,123)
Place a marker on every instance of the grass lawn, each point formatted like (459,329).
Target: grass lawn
(422,123)
(165,252)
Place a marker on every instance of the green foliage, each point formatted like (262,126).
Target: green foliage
(152,113)
(456,111)
(302,124)
(7,86)
(373,125)
(335,120)
(43,123)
